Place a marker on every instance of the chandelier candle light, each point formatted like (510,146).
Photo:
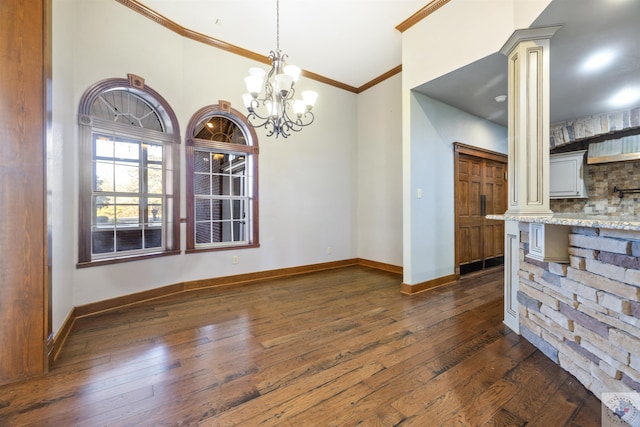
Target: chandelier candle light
(276,110)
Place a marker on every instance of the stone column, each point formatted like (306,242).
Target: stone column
(528,165)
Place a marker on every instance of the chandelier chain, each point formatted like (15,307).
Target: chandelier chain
(278,24)
(276,109)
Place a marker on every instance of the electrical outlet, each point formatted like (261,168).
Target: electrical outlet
(328,250)
(234,259)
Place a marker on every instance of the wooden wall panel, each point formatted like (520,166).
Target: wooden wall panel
(22,189)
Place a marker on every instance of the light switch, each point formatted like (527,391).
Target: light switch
(419,193)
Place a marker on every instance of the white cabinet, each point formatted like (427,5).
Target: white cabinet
(566,175)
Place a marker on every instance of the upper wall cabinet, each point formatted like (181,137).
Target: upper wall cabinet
(566,175)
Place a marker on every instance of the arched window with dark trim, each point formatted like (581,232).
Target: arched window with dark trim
(129,173)
(222,180)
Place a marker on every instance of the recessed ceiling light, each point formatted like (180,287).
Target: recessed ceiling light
(625,97)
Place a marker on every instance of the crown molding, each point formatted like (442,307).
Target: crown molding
(380,78)
(219,44)
(420,15)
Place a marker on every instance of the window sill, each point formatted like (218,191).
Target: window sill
(221,248)
(129,258)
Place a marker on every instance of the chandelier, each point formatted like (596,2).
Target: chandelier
(270,101)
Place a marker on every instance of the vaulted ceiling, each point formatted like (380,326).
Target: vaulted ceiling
(356,41)
(351,41)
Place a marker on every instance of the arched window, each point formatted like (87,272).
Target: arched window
(129,175)
(222,180)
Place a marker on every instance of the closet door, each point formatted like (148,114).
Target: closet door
(495,191)
(469,189)
(480,190)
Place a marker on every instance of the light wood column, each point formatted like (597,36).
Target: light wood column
(528,166)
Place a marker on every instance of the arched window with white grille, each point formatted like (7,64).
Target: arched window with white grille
(129,175)
(222,180)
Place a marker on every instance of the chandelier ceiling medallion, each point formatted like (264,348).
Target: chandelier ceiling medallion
(270,101)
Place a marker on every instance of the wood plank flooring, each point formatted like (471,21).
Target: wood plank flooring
(335,348)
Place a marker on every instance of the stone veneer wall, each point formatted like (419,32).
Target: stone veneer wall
(585,315)
(564,133)
(600,180)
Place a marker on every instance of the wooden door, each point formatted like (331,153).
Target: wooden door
(469,210)
(480,190)
(495,192)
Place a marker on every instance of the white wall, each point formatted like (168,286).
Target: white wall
(63,151)
(446,40)
(435,127)
(461,32)
(308,182)
(380,172)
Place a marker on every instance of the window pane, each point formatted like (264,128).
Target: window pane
(154,206)
(104,146)
(154,181)
(127,150)
(127,210)
(202,161)
(220,232)
(124,107)
(219,128)
(239,233)
(102,241)
(220,185)
(238,209)
(128,239)
(153,238)
(238,186)
(154,152)
(203,210)
(103,180)
(224,232)
(201,185)
(236,164)
(203,232)
(216,209)
(105,210)
(127,179)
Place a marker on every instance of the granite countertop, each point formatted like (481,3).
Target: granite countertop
(578,219)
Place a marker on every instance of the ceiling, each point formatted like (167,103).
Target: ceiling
(581,82)
(355,41)
(350,41)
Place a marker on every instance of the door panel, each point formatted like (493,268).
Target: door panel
(480,187)
(469,185)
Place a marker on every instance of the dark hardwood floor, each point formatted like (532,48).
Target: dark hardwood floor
(336,348)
